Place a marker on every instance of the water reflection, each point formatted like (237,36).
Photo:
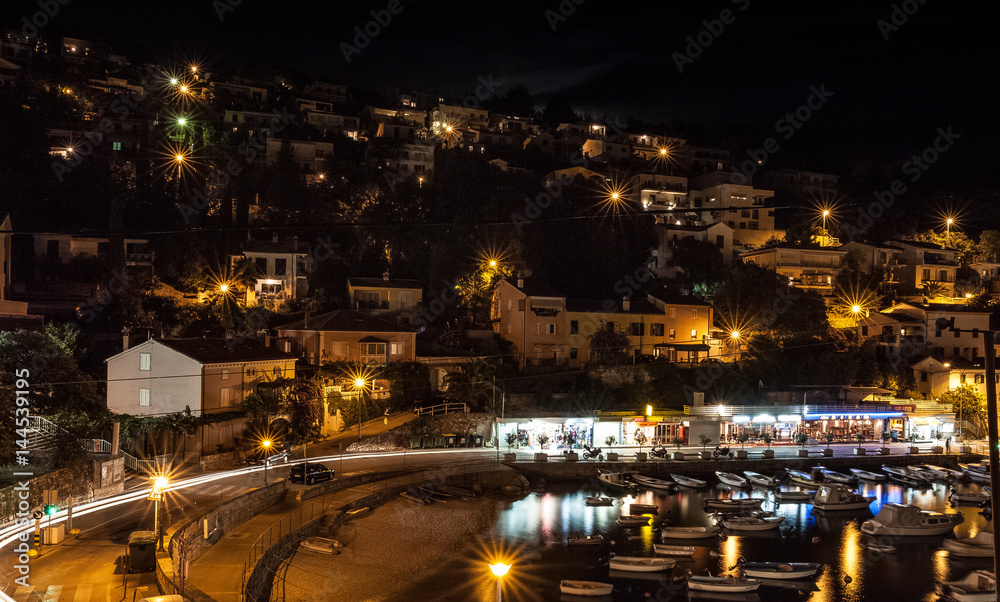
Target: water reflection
(851,568)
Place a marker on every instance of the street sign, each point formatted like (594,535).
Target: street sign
(37,514)
(156,493)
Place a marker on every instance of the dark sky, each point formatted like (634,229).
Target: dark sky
(889,96)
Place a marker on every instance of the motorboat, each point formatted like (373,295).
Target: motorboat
(972,497)
(688,481)
(882,548)
(802,478)
(632,520)
(751,523)
(977,586)
(951,472)
(731,479)
(585,540)
(837,496)
(759,479)
(718,503)
(707,583)
(794,495)
(979,545)
(904,477)
(615,481)
(651,483)
(641,564)
(663,550)
(689,532)
(643,508)
(838,477)
(585,588)
(781,570)
(599,501)
(977,474)
(930,472)
(909,520)
(867,475)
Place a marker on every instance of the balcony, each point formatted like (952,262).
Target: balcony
(139,259)
(370,305)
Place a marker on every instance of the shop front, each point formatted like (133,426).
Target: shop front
(657,430)
(779,427)
(847,427)
(549,433)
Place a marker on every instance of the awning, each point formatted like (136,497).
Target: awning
(547,303)
(371,339)
(925,420)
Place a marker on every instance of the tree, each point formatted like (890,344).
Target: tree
(705,440)
(640,438)
(968,404)
(559,110)
(802,439)
(829,439)
(700,261)
(933,289)
(988,247)
(304,409)
(409,382)
(952,239)
(609,346)
(475,383)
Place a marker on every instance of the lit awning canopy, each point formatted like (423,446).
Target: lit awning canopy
(921,420)
(853,416)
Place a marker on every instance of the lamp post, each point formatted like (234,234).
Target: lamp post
(266,446)
(947,230)
(360,383)
(499,569)
(856,311)
(159,486)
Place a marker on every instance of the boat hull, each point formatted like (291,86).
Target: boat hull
(775,570)
(688,481)
(718,586)
(662,550)
(640,565)
(751,526)
(741,504)
(873,527)
(867,475)
(585,588)
(689,532)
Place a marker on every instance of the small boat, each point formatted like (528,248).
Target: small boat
(978,476)
(688,481)
(663,550)
(794,495)
(702,583)
(585,588)
(599,501)
(867,476)
(977,586)
(632,520)
(905,477)
(719,503)
(837,496)
(976,497)
(838,477)
(651,483)
(323,545)
(413,497)
(641,564)
(356,512)
(732,479)
(802,478)
(585,540)
(689,532)
(908,520)
(954,474)
(615,481)
(882,548)
(643,508)
(979,545)
(758,479)
(752,523)
(781,570)
(934,473)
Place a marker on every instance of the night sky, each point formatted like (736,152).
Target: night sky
(618,59)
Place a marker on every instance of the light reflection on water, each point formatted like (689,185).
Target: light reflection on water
(541,522)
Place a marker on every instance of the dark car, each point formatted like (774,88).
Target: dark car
(310,473)
(274,455)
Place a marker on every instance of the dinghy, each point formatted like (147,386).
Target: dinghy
(716,503)
(585,540)
(641,564)
(651,483)
(867,476)
(585,588)
(702,583)
(752,523)
(632,520)
(599,501)
(801,478)
(689,532)
(643,508)
(663,550)
(781,570)
(978,586)
(979,545)
(732,479)
(758,479)
(794,495)
(688,481)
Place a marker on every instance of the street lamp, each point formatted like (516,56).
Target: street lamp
(826,214)
(499,569)
(266,446)
(156,494)
(360,383)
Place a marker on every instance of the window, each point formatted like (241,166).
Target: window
(520,305)
(720,241)
(574,327)
(116,146)
(943,275)
(144,361)
(927,274)
(251,372)
(277,370)
(373,348)
(572,353)
(958,333)
(144,397)
(864,330)
(673,333)
(979,379)
(280,265)
(224,393)
(550,329)
(961,379)
(52,250)
(923,377)
(694,333)
(637,329)
(975,333)
(261,265)
(656,330)
(225,374)
(396,348)
(672,312)
(694,314)
(405,299)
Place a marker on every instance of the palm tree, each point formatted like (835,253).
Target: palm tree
(475,383)
(933,289)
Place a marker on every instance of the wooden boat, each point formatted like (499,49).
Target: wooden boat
(651,483)
(415,498)
(974,497)
(867,476)
(641,564)
(731,479)
(585,540)
(781,570)
(664,550)
(931,472)
(585,588)
(908,520)
(719,503)
(758,479)
(688,481)
(632,520)
(643,508)
(977,586)
(689,532)
(837,496)
(802,478)
(979,545)
(323,545)
(904,477)
(615,481)
(978,476)
(703,583)
(797,495)
(874,546)
(838,477)
(752,523)
(599,501)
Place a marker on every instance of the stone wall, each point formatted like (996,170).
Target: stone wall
(223,460)
(89,481)
(346,483)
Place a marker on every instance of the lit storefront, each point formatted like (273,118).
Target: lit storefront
(558,433)
(780,427)
(658,430)
(783,424)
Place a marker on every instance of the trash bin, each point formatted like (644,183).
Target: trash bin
(439,441)
(463,441)
(141,555)
(477,440)
(449,440)
(416,442)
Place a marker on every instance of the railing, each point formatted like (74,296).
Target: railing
(442,408)
(42,425)
(790,410)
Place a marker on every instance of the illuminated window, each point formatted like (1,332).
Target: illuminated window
(694,333)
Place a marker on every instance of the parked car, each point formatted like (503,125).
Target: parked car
(275,454)
(310,473)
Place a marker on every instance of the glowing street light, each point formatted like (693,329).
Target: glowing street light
(499,569)
(160,483)
(266,446)
(182,121)
(174,81)
(493,263)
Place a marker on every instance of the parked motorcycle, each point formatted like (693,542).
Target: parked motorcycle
(722,451)
(593,452)
(658,451)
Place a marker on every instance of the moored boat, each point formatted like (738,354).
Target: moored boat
(908,520)
(664,550)
(632,520)
(759,479)
(930,472)
(641,564)
(585,588)
(867,475)
(599,501)
(794,495)
(973,497)
(688,481)
(838,477)
(615,481)
(703,583)
(731,479)
(781,570)
(585,540)
(978,586)
(689,532)
(837,496)
(802,478)
(904,477)
(652,483)
(752,523)
(643,508)
(979,545)
(718,503)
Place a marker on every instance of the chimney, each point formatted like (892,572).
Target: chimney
(295,242)
(306,321)
(385,275)
(626,305)
(274,237)
(267,338)
(125,339)
(520,280)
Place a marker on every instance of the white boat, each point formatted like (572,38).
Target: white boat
(663,550)
(641,564)
(839,477)
(930,472)
(643,508)
(632,520)
(585,588)
(794,495)
(599,501)
(901,475)
(781,570)
(651,483)
(976,497)
(734,480)
(752,523)
(719,503)
(702,583)
(978,476)
(689,532)
(802,478)
(837,496)
(883,548)
(979,545)
(615,481)
(688,481)
(867,476)
(585,540)
(759,479)
(905,519)
(977,586)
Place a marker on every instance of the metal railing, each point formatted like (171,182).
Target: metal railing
(44,426)
(442,408)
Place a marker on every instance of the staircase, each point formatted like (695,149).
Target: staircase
(42,434)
